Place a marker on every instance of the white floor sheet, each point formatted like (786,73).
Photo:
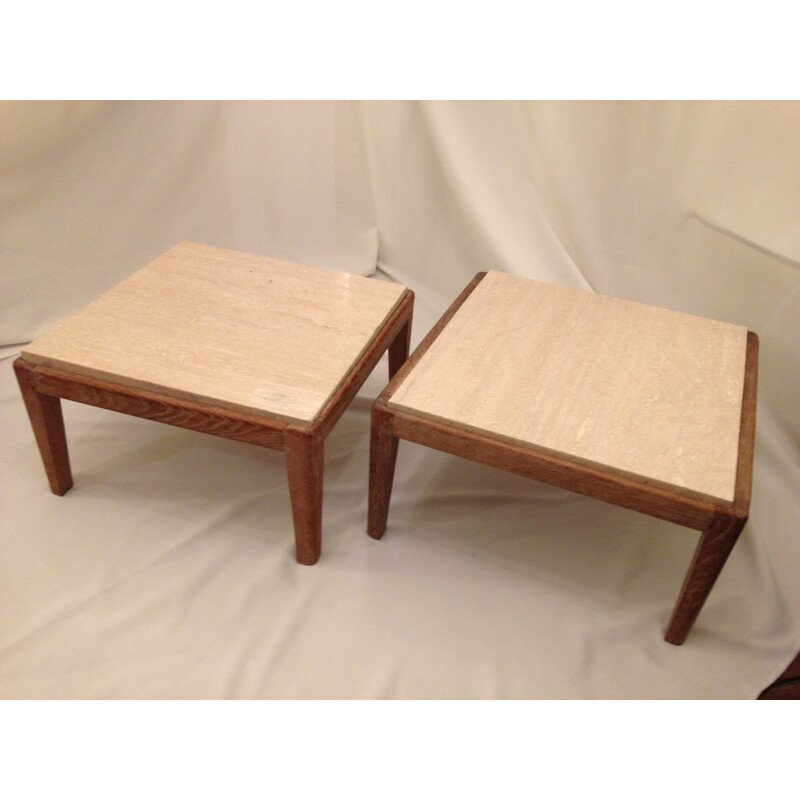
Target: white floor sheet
(168,572)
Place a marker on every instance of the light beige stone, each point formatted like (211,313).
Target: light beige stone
(642,391)
(241,331)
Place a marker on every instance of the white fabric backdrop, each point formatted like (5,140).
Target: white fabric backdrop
(168,570)
(92,191)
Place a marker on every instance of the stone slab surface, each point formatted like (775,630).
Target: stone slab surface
(241,331)
(644,392)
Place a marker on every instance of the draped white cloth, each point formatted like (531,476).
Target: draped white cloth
(168,570)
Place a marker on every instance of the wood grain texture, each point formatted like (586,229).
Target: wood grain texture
(229,329)
(398,349)
(562,472)
(382,461)
(651,394)
(159,408)
(305,466)
(47,422)
(712,552)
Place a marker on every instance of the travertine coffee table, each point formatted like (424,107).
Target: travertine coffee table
(649,409)
(240,346)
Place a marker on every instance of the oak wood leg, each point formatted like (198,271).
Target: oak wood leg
(398,349)
(382,460)
(305,459)
(47,422)
(712,552)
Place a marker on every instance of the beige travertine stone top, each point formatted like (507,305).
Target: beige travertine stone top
(645,392)
(240,331)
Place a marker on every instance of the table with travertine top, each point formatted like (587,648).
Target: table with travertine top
(649,409)
(236,345)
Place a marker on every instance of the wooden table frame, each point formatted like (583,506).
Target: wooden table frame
(720,524)
(43,388)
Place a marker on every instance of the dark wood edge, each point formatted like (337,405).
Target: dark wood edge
(787,685)
(431,337)
(747,430)
(47,423)
(712,551)
(330,413)
(599,484)
(782,690)
(154,406)
(211,419)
